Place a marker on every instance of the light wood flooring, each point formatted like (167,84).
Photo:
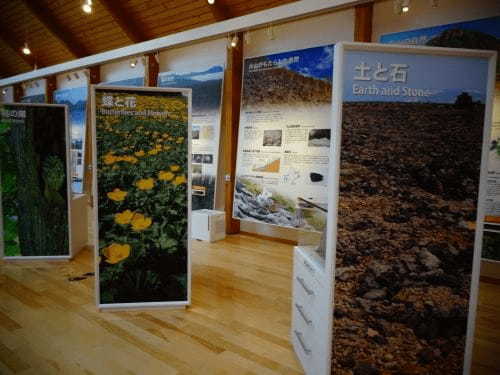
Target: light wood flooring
(238,322)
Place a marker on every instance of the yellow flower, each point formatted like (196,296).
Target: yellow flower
(117,195)
(153,152)
(165,135)
(179,180)
(165,176)
(174,168)
(145,184)
(141,222)
(124,217)
(180,139)
(139,153)
(109,159)
(130,159)
(115,253)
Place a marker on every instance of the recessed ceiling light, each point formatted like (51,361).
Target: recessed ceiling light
(211,2)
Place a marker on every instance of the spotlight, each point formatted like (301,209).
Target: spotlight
(234,41)
(211,2)
(4,92)
(133,63)
(405,6)
(87,7)
(26,50)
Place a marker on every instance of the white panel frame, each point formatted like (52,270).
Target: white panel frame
(333,187)
(295,10)
(68,195)
(95,191)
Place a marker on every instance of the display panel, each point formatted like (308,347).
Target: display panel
(207,97)
(76,100)
(481,34)
(141,150)
(136,81)
(38,98)
(34,181)
(284,138)
(411,148)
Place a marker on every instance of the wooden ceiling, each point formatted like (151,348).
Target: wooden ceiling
(58,30)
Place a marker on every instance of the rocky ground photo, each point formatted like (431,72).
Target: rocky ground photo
(407,209)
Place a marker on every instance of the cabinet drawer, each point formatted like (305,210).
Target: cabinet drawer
(307,266)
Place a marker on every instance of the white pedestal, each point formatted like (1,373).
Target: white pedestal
(208,225)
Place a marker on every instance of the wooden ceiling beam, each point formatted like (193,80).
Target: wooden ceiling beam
(16,45)
(134,31)
(56,29)
(219,10)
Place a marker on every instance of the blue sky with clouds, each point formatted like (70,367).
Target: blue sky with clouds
(443,76)
(316,62)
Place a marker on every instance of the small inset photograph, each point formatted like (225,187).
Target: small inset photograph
(197,158)
(272,137)
(197,168)
(319,138)
(208,159)
(269,166)
(317,176)
(207,132)
(196,132)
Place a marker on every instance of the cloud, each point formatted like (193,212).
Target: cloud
(326,60)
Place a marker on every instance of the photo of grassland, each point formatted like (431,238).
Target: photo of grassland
(34,182)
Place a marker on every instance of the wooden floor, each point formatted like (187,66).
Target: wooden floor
(238,322)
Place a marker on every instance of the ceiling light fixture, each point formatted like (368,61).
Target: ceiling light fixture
(405,6)
(4,92)
(26,50)
(211,2)
(87,6)
(133,63)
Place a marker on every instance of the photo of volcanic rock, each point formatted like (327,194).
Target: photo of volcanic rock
(408,196)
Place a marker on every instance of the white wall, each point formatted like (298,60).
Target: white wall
(310,32)
(120,70)
(7,94)
(422,15)
(73,79)
(195,56)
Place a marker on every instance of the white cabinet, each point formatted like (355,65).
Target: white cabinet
(310,310)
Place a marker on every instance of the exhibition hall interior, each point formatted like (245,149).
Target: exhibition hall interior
(250,187)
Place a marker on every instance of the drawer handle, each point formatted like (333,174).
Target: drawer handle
(303,285)
(309,267)
(301,342)
(300,309)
